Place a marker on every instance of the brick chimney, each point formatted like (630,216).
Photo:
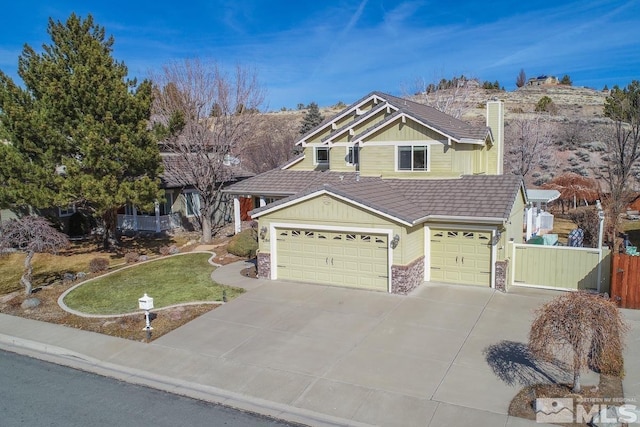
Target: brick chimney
(495,121)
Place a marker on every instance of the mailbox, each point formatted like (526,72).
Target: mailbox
(145,303)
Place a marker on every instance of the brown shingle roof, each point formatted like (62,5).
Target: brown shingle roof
(177,174)
(437,119)
(409,200)
(442,122)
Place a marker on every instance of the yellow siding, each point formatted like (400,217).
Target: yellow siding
(411,244)
(377,160)
(409,131)
(338,160)
(306,163)
(317,138)
(513,228)
(495,120)
(329,211)
(492,159)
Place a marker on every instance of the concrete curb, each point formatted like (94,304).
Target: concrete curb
(64,357)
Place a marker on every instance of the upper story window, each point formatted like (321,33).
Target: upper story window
(321,156)
(353,155)
(413,158)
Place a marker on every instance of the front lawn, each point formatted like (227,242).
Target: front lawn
(172,280)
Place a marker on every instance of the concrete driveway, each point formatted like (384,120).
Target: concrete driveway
(444,355)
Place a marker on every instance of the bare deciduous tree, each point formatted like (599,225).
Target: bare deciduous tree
(203,113)
(449,96)
(622,151)
(272,145)
(32,235)
(527,143)
(521,80)
(582,330)
(574,188)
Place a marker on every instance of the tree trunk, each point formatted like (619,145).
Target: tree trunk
(26,276)
(110,222)
(576,374)
(207,229)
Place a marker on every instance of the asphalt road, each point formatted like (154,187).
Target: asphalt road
(37,393)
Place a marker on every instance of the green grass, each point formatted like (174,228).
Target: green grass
(172,280)
(49,268)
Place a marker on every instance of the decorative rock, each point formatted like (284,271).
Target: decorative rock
(81,275)
(143,258)
(68,277)
(30,303)
(175,315)
(173,249)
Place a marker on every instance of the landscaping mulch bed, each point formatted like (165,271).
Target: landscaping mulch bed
(609,391)
(129,327)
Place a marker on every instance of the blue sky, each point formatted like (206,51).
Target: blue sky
(329,51)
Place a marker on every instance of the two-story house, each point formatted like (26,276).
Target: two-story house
(388,194)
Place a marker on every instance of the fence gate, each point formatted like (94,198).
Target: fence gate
(625,281)
(560,267)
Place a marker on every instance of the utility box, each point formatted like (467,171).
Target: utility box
(145,303)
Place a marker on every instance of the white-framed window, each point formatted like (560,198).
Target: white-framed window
(166,205)
(413,158)
(192,203)
(67,211)
(321,156)
(353,155)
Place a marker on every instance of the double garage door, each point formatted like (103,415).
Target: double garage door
(461,256)
(358,260)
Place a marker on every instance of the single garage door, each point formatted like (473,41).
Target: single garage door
(357,260)
(461,256)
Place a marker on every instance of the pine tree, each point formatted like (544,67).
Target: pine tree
(312,119)
(78,130)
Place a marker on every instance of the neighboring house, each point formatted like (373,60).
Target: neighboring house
(543,80)
(181,205)
(388,194)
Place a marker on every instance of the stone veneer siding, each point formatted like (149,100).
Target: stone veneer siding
(264,266)
(405,278)
(501,275)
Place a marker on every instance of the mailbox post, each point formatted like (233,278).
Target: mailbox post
(146,303)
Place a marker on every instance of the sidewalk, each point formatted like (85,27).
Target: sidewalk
(322,356)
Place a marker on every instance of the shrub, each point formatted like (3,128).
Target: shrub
(546,104)
(131,257)
(244,244)
(97,265)
(611,362)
